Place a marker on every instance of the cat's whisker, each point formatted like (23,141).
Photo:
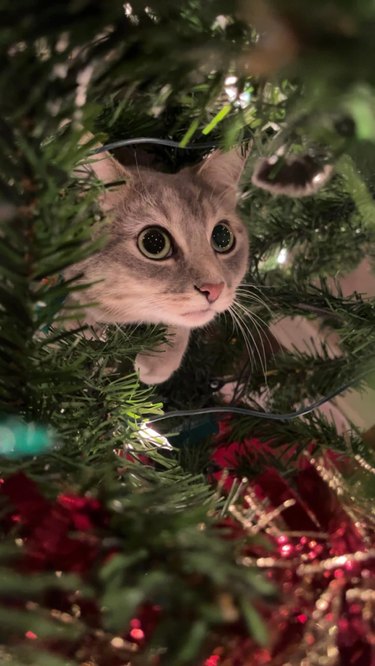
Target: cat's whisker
(254,292)
(249,286)
(263,332)
(261,326)
(250,289)
(246,333)
(246,294)
(259,286)
(253,303)
(252,313)
(262,356)
(252,307)
(261,289)
(257,321)
(246,330)
(238,324)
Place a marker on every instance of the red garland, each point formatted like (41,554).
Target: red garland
(65,535)
(46,526)
(317,510)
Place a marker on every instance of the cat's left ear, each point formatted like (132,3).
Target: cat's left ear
(109,171)
(224,169)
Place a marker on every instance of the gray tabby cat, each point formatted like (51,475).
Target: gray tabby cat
(175,255)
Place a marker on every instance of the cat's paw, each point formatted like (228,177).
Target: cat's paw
(153,369)
(156,366)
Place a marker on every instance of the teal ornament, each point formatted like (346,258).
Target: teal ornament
(195,431)
(18,438)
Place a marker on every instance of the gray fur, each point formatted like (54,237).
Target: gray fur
(133,288)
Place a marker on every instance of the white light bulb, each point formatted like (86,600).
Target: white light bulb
(282,256)
(150,435)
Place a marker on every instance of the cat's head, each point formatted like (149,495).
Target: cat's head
(176,249)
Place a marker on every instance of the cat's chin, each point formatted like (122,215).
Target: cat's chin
(197,318)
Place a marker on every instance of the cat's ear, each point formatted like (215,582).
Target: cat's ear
(223,169)
(109,171)
(113,175)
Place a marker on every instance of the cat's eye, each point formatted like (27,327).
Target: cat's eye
(155,243)
(222,238)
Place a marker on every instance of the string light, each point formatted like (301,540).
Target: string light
(271,416)
(282,256)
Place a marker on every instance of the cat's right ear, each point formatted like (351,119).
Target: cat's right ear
(224,169)
(109,171)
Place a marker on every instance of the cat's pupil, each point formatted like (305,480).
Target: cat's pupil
(155,243)
(222,238)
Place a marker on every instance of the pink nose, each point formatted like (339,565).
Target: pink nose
(211,291)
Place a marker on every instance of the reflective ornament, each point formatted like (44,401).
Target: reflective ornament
(18,438)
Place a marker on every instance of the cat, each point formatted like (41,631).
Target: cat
(176,251)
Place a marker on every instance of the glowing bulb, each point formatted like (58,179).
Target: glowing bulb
(149,435)
(231,89)
(282,256)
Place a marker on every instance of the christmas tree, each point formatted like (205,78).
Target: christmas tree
(215,536)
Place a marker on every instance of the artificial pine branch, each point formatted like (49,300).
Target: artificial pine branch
(165,68)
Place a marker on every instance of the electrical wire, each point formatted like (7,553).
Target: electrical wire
(270,416)
(160,142)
